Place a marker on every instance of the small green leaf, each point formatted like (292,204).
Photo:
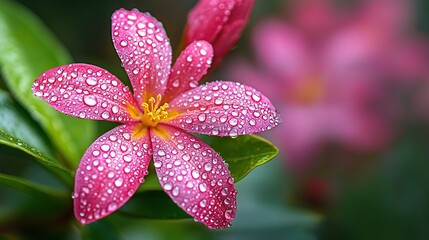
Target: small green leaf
(62,173)
(15,122)
(27,49)
(243,153)
(29,187)
(153,204)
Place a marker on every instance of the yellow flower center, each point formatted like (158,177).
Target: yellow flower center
(153,113)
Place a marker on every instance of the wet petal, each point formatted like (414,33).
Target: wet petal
(109,173)
(188,69)
(224,109)
(85,91)
(194,176)
(144,50)
(219,22)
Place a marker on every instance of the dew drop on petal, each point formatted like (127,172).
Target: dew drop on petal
(202,187)
(233,121)
(91,81)
(228,214)
(105,115)
(195,174)
(161,152)
(202,117)
(203,203)
(90,100)
(112,206)
(208,166)
(124,43)
(105,147)
(118,182)
(168,186)
(186,157)
(175,191)
(256,98)
(127,158)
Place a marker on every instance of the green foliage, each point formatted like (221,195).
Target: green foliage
(27,49)
(243,153)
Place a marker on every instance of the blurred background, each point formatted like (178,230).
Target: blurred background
(351,81)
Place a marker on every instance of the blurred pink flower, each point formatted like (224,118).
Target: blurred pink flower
(156,120)
(220,22)
(331,91)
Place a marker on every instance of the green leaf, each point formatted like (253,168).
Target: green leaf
(62,173)
(243,153)
(15,122)
(99,230)
(27,49)
(29,187)
(153,204)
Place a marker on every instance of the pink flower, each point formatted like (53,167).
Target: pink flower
(220,22)
(156,118)
(331,90)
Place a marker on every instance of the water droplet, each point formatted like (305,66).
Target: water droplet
(202,187)
(90,100)
(168,186)
(161,152)
(124,43)
(136,71)
(175,191)
(224,191)
(203,52)
(189,58)
(252,122)
(233,121)
(215,131)
(111,174)
(256,98)
(115,109)
(105,115)
(202,117)
(91,81)
(112,206)
(228,214)
(218,101)
(157,164)
(118,182)
(195,174)
(208,166)
(105,147)
(196,145)
(127,158)
(203,203)
(186,157)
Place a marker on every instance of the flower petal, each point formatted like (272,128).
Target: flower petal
(188,69)
(109,173)
(85,91)
(144,50)
(224,109)
(219,22)
(194,176)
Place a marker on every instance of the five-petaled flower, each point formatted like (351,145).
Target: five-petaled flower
(156,118)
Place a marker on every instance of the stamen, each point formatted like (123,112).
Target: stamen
(153,113)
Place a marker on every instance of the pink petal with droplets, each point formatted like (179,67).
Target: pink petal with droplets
(109,173)
(194,176)
(144,50)
(224,109)
(219,22)
(85,91)
(207,18)
(188,69)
